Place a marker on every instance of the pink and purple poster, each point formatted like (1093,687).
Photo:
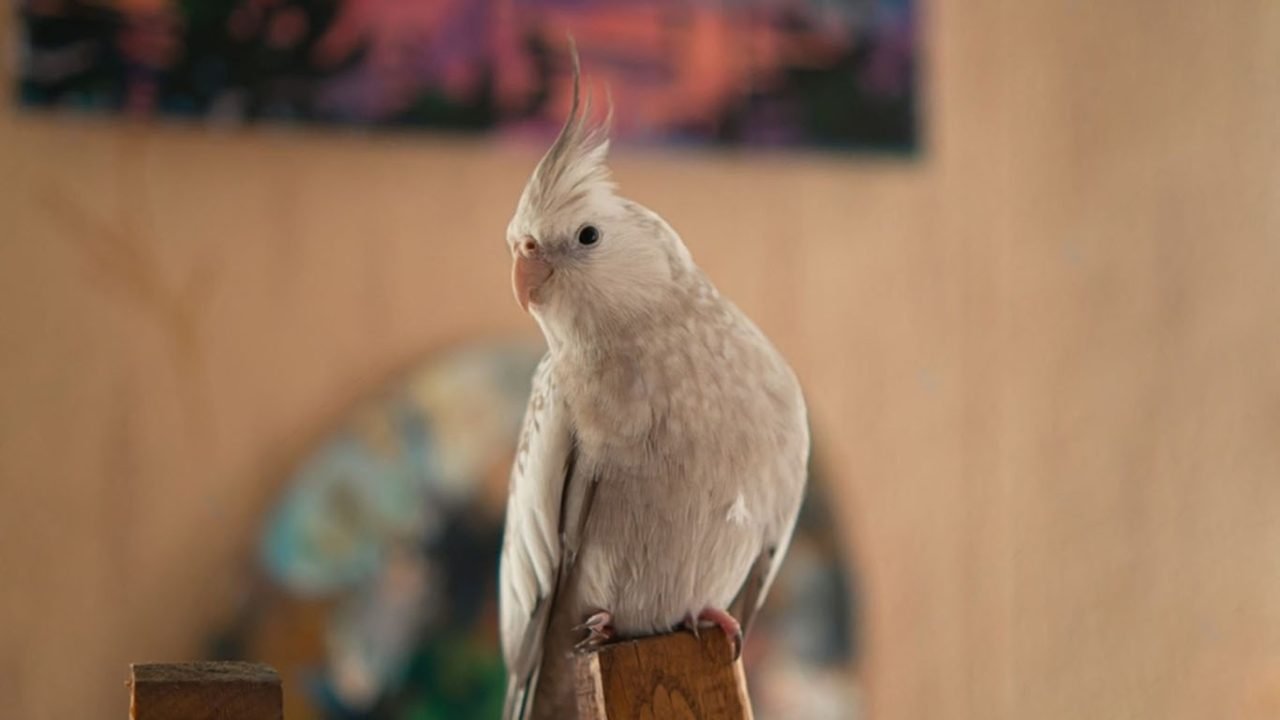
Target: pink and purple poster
(775,73)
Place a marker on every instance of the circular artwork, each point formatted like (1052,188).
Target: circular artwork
(377,592)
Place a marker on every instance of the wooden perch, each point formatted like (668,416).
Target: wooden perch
(666,677)
(204,691)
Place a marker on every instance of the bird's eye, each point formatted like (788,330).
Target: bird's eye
(588,235)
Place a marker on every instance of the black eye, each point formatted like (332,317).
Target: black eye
(588,235)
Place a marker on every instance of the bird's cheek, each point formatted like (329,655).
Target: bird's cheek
(528,275)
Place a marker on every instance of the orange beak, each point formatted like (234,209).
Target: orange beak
(528,272)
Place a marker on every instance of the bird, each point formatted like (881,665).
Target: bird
(663,456)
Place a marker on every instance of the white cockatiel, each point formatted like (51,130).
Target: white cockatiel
(663,456)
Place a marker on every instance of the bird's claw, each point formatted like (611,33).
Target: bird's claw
(599,627)
(722,619)
(691,624)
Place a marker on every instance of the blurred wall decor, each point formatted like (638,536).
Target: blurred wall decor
(833,73)
(377,593)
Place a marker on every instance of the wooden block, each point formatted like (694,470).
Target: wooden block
(666,677)
(205,691)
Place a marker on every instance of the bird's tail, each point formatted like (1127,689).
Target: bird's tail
(519,697)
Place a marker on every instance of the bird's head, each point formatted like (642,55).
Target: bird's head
(582,255)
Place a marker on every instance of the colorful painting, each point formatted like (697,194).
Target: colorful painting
(377,590)
(828,73)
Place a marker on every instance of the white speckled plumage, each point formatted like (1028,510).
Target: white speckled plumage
(663,457)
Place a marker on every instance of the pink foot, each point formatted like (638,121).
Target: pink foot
(726,622)
(599,629)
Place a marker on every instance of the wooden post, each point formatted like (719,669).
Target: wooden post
(205,691)
(666,677)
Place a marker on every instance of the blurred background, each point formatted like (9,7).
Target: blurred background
(260,367)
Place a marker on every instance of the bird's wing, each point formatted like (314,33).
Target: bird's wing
(773,548)
(546,509)
(759,579)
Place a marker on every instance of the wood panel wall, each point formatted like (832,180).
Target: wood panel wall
(1044,360)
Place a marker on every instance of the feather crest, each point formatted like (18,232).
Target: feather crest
(574,166)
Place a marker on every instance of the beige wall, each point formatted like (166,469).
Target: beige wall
(1046,359)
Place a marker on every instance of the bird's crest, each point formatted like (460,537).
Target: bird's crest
(574,165)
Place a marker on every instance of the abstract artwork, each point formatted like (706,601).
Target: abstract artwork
(776,73)
(377,583)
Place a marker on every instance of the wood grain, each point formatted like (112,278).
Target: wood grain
(205,691)
(666,677)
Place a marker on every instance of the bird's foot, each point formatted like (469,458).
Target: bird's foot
(599,629)
(726,622)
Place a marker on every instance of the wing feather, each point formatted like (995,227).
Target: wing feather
(531,562)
